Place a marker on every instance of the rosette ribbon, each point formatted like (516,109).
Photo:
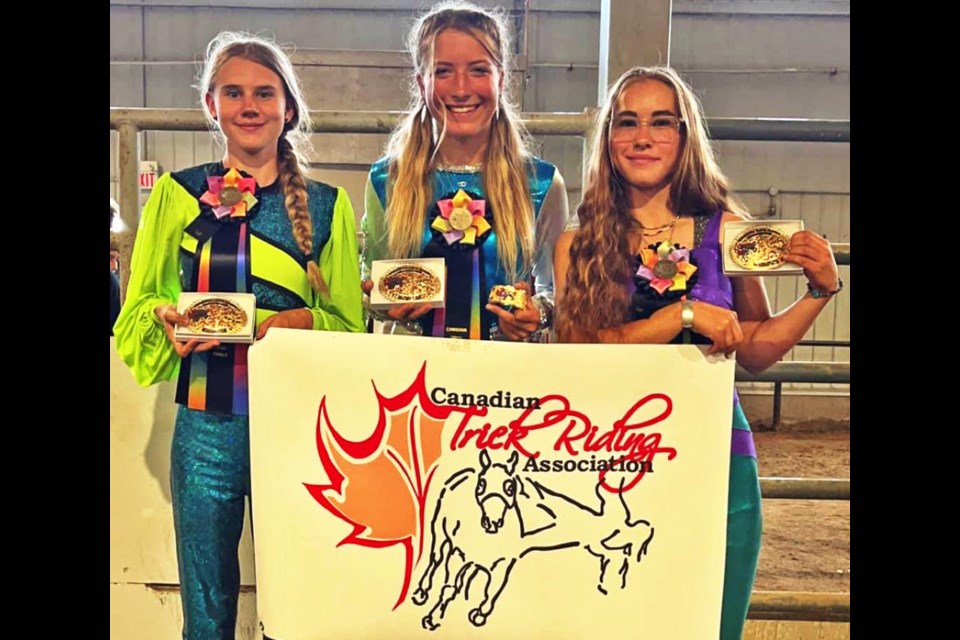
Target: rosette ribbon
(667,267)
(230,194)
(461,219)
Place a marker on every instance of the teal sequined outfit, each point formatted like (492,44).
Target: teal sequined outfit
(209,482)
(471,270)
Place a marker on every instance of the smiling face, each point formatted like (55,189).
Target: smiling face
(465,86)
(249,104)
(646,165)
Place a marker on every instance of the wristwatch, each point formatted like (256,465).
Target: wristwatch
(820,293)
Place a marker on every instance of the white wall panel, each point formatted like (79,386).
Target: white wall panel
(558,89)
(126,32)
(171,86)
(758,42)
(126,86)
(177,34)
(789,166)
(815,95)
(564,38)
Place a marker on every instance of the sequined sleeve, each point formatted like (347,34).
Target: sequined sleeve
(550,224)
(154,280)
(340,310)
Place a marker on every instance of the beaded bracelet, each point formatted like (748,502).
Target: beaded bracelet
(819,293)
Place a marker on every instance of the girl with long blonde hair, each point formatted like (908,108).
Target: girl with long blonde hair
(644,266)
(250,223)
(463,135)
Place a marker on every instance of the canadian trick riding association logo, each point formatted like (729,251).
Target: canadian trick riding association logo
(486,518)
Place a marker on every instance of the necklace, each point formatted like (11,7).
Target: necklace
(460,168)
(449,183)
(651,232)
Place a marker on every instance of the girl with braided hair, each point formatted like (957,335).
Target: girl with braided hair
(252,222)
(462,147)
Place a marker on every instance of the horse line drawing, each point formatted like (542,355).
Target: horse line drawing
(517,516)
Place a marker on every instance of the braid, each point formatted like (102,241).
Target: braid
(295,200)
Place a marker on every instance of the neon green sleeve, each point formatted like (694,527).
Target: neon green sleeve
(154,280)
(340,309)
(373,224)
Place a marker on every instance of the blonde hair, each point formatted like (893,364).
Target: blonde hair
(412,148)
(595,296)
(294,143)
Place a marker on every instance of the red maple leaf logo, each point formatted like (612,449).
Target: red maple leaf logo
(379,485)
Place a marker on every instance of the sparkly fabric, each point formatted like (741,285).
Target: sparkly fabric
(269,220)
(209,481)
(744,520)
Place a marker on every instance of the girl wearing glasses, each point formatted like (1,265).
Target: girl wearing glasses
(653,207)
(463,135)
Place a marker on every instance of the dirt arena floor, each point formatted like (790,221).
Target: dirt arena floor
(806,543)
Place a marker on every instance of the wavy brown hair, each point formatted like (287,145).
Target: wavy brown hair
(412,148)
(294,143)
(596,294)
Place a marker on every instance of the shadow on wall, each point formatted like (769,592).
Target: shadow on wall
(157,452)
(142,422)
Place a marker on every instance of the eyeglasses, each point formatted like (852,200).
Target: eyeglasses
(662,128)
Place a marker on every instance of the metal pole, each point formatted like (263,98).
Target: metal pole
(777,400)
(129,156)
(805,488)
(799,605)
(835,372)
(841,252)
(779,129)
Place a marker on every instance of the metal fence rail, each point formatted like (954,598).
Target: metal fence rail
(799,371)
(805,488)
(799,605)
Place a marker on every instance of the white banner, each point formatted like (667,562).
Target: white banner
(414,488)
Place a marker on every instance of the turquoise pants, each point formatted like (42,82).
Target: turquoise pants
(744,528)
(210,481)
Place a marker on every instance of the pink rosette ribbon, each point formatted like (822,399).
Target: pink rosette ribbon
(666,266)
(461,219)
(230,194)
